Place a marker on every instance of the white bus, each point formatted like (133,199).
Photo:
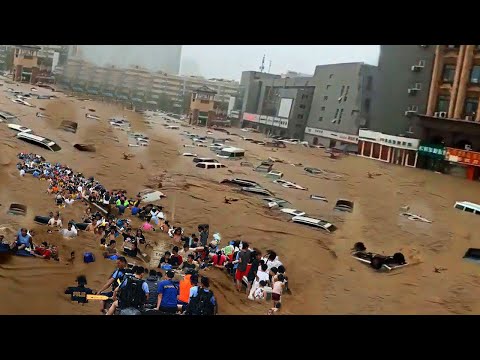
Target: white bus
(231,153)
(468,207)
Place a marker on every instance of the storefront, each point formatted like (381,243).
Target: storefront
(463,162)
(387,148)
(432,157)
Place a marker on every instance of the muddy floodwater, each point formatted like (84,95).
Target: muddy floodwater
(323,277)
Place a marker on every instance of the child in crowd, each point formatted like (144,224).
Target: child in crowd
(259,293)
(277,290)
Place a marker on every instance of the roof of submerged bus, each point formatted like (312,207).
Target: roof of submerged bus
(233,149)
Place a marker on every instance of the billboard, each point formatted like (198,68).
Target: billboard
(285,107)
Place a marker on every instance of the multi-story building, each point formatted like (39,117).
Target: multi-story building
(139,85)
(276,105)
(25,63)
(451,123)
(341,104)
(401,88)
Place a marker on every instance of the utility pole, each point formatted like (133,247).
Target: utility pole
(262,67)
(269,66)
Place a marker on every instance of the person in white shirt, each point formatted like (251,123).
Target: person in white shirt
(70,232)
(271,259)
(262,275)
(154,214)
(55,222)
(69,201)
(22,172)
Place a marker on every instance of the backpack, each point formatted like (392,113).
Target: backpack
(201,304)
(132,295)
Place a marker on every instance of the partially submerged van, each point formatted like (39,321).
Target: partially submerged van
(231,153)
(39,141)
(209,165)
(468,207)
(322,224)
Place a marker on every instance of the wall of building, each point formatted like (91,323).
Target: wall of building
(395,77)
(340,93)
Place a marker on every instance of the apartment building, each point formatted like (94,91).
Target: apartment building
(451,123)
(341,104)
(139,85)
(402,87)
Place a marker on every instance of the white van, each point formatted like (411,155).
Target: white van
(38,140)
(209,165)
(231,153)
(322,224)
(468,207)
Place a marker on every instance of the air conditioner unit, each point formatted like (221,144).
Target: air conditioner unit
(469,118)
(410,112)
(334,121)
(436,114)
(442,114)
(418,86)
(412,91)
(468,147)
(423,46)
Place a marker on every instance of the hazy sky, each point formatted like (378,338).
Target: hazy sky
(228,61)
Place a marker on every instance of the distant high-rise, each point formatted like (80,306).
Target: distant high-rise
(164,58)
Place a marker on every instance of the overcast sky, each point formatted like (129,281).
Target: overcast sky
(228,61)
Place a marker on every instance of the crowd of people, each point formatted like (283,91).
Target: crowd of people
(263,276)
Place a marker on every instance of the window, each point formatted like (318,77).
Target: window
(448,73)
(204,101)
(331,76)
(320,118)
(382,139)
(367,105)
(340,117)
(471,105)
(345,98)
(354,112)
(404,143)
(336,113)
(467,209)
(299,116)
(369,82)
(298,125)
(442,103)
(325,98)
(328,87)
(322,108)
(342,90)
(302,106)
(346,91)
(475,75)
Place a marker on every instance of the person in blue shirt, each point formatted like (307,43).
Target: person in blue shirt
(168,292)
(139,272)
(115,279)
(24,240)
(196,308)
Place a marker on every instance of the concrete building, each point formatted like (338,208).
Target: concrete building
(401,88)
(139,85)
(202,106)
(452,117)
(276,105)
(25,63)
(341,104)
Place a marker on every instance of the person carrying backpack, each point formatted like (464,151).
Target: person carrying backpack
(168,291)
(133,292)
(152,282)
(202,301)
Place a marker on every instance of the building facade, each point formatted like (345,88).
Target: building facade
(276,105)
(341,104)
(388,148)
(401,88)
(25,63)
(144,88)
(452,117)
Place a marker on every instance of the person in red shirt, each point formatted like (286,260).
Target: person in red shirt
(43,251)
(219,260)
(176,258)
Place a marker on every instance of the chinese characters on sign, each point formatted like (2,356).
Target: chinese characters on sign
(463,156)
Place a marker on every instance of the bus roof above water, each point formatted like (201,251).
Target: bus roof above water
(231,153)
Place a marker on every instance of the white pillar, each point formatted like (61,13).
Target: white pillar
(389,153)
(406,159)
(380,154)
(416,158)
(363,146)
(371,149)
(403,156)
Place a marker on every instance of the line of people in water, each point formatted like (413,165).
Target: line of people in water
(264,277)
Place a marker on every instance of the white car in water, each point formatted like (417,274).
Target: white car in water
(19,128)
